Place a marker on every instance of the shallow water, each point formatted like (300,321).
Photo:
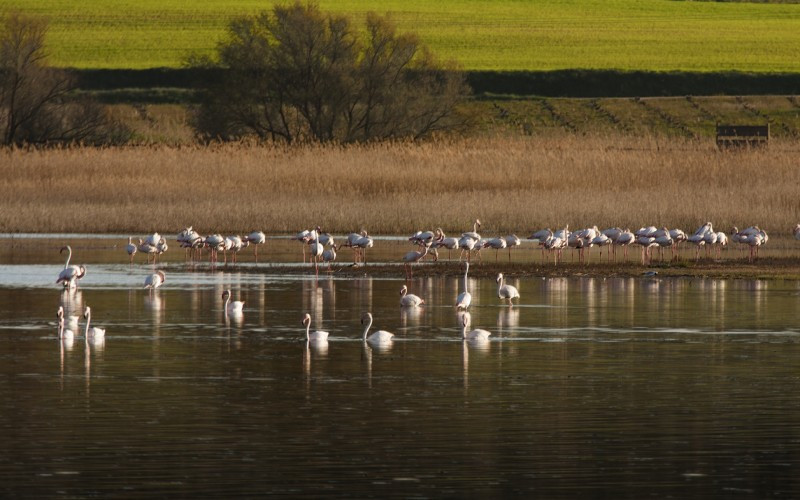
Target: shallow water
(623,386)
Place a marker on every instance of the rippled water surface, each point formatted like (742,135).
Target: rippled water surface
(621,386)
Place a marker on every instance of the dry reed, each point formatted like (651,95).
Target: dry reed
(511,184)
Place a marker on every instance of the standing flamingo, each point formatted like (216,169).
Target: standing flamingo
(496,243)
(70,275)
(506,291)
(130,248)
(464,298)
(512,240)
(329,255)
(155,280)
(412,257)
(256,238)
(443,241)
(624,240)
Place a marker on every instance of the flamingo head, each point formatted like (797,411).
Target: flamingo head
(306,319)
(163,275)
(226,294)
(67,248)
(797,229)
(403,290)
(366,317)
(60,313)
(87,312)
(82,273)
(499,278)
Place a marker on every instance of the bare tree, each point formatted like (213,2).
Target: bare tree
(300,74)
(34,103)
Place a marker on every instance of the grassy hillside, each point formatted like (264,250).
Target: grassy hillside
(681,118)
(653,35)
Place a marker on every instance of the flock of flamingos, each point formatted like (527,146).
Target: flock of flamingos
(322,248)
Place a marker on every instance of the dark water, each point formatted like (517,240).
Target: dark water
(590,387)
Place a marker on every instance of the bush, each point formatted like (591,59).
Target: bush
(298,74)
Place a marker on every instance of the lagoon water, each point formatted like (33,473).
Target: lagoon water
(620,386)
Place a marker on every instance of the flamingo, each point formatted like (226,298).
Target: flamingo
(352,238)
(153,239)
(422,238)
(93,332)
(316,249)
(302,237)
(411,257)
(256,238)
(464,298)
(710,237)
(379,337)
(215,243)
(362,243)
(512,240)
(476,335)
(130,248)
(646,242)
(577,242)
(506,291)
(602,240)
(496,243)
(624,240)
(698,239)
(329,255)
(317,336)
(235,244)
(443,241)
(664,239)
(147,249)
(409,299)
(613,233)
(232,306)
(467,243)
(722,242)
(474,233)
(155,280)
(63,333)
(556,242)
(70,275)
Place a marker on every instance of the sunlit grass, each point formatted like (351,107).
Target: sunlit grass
(487,35)
(511,184)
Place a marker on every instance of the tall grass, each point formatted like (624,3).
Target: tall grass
(511,184)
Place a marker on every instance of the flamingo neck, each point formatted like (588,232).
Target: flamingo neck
(88,319)
(308,328)
(69,256)
(366,329)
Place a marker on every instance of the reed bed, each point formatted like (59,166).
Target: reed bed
(511,184)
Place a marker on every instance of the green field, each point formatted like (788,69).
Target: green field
(650,35)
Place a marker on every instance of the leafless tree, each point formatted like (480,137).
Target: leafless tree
(35,106)
(296,73)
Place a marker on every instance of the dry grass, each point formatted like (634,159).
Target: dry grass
(511,184)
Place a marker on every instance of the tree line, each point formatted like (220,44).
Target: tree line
(292,74)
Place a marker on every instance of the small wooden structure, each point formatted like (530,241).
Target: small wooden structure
(742,135)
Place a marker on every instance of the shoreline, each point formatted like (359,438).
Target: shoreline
(768,268)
